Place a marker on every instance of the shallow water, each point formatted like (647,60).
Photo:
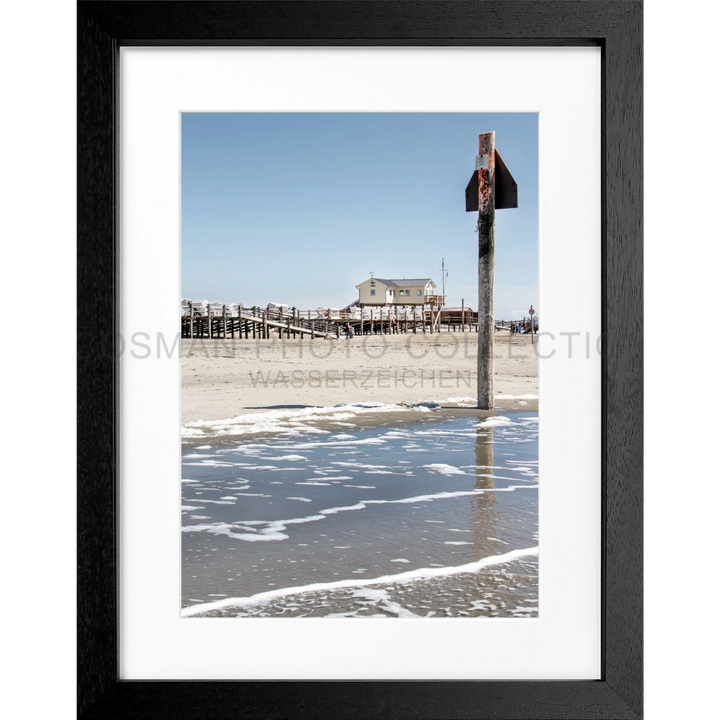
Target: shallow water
(339,508)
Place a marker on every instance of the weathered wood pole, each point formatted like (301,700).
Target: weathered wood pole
(486,272)
(463,315)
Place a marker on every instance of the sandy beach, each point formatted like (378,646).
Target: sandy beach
(229,378)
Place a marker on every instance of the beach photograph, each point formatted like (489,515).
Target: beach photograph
(358,334)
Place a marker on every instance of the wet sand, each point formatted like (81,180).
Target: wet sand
(508,591)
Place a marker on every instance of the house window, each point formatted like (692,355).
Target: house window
(392,292)
(372,292)
(419,292)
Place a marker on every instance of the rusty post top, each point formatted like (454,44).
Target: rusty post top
(485,165)
(486,142)
(490,170)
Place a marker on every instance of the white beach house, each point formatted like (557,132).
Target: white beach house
(376,291)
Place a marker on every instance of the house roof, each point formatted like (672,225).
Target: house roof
(416,282)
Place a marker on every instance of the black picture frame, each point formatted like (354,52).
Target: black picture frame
(613,25)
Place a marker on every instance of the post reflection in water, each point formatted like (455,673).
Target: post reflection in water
(482,504)
(484,456)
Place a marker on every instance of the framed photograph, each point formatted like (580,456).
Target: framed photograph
(327,470)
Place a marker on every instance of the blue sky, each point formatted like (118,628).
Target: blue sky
(299,208)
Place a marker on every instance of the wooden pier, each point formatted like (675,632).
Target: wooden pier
(259,323)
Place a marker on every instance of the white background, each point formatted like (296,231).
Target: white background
(564,85)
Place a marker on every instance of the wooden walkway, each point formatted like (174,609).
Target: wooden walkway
(254,323)
(260,323)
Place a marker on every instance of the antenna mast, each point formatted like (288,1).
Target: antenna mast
(444,273)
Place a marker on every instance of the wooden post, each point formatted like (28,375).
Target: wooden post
(362,329)
(486,272)
(462,319)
